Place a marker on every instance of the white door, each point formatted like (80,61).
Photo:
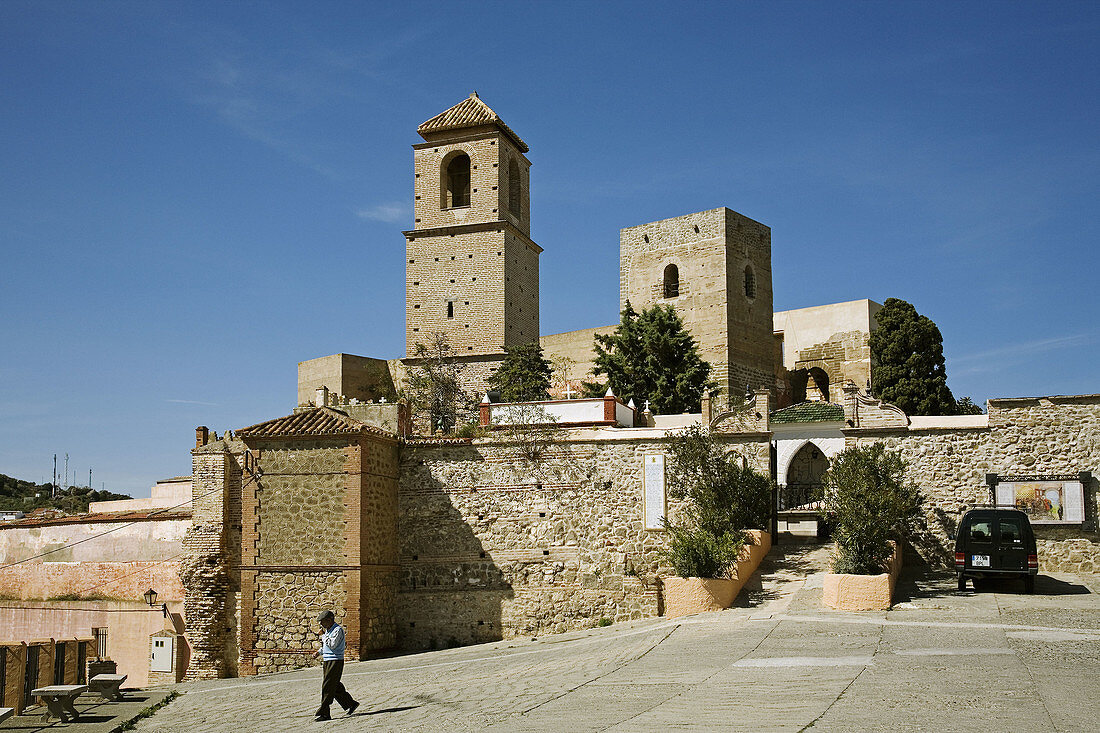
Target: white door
(161,658)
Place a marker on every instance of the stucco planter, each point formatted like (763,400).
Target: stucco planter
(846,592)
(685,596)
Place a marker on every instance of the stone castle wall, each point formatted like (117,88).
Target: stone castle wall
(1053,435)
(494,546)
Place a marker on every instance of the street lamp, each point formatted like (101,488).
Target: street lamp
(150,597)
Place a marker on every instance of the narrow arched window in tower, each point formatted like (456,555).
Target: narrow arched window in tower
(750,282)
(458,182)
(672,282)
(515,199)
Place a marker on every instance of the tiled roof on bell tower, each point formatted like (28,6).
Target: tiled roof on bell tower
(470,112)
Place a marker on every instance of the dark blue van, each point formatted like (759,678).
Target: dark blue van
(994,543)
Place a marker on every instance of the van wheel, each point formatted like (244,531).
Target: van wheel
(962,582)
(1029,583)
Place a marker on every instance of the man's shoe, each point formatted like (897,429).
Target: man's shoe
(320,717)
(351,708)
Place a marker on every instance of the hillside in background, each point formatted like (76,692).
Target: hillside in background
(26,496)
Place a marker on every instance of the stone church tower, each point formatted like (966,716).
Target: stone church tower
(471,270)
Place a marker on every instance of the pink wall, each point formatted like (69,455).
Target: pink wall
(129,623)
(115,580)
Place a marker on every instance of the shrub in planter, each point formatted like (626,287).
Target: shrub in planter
(724,497)
(697,553)
(869,504)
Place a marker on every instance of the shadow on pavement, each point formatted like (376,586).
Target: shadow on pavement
(921,581)
(386,710)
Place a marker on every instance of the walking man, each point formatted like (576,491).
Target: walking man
(332,657)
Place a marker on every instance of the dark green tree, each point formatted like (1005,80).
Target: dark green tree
(966,406)
(909,371)
(524,375)
(869,503)
(651,356)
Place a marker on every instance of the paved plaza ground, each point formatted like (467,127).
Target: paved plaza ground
(995,660)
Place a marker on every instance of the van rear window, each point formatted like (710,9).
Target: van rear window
(1011,531)
(981,530)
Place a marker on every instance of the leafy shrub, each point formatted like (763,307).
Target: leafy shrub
(604,621)
(726,493)
(697,553)
(868,503)
(725,497)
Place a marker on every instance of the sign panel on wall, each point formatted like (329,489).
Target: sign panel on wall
(1045,500)
(653,481)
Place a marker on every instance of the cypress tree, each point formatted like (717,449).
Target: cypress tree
(909,368)
(524,375)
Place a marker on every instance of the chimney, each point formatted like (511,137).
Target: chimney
(322,396)
(202,436)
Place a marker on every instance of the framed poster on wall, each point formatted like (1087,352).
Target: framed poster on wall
(1045,499)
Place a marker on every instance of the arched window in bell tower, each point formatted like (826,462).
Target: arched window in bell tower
(456,182)
(515,198)
(672,281)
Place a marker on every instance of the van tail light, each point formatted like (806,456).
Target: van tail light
(1032,561)
(960,559)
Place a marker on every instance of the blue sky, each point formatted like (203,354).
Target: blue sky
(196,196)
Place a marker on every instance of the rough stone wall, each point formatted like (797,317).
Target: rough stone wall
(495,546)
(374,591)
(749,316)
(1056,435)
(320,533)
(204,569)
(285,633)
(300,505)
(844,357)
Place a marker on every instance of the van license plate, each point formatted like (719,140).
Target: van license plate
(979,561)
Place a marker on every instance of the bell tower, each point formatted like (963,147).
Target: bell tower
(471,268)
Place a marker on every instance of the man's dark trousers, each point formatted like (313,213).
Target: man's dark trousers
(332,688)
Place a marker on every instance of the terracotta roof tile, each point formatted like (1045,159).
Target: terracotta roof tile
(318,421)
(470,112)
(100,518)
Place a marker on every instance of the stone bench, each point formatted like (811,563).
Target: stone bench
(59,701)
(6,713)
(107,686)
